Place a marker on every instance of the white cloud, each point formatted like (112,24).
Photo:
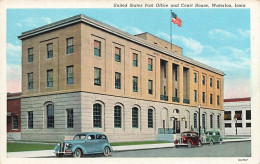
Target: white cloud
(132,30)
(13,76)
(220,33)
(245,33)
(34,22)
(46,19)
(13,52)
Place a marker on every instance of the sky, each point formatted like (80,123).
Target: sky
(216,37)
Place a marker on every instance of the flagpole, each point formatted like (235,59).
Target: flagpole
(171,28)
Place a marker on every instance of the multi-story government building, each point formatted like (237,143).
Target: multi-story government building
(79,75)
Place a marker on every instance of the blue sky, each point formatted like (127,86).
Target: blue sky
(217,37)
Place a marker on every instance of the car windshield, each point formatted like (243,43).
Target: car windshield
(79,137)
(187,134)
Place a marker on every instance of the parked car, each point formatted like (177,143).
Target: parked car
(84,143)
(213,137)
(188,138)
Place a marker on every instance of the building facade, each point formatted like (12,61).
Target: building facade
(237,116)
(79,74)
(13,116)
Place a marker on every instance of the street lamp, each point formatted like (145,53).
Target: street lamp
(199,119)
(236,124)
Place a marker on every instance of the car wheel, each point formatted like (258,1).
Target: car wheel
(211,142)
(106,151)
(176,146)
(59,155)
(199,144)
(77,153)
(189,144)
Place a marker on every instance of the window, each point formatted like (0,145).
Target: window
(211,82)
(97,48)
(30,81)
(97,109)
(70,79)
(227,115)
(49,50)
(248,114)
(118,80)
(69,118)
(238,115)
(228,125)
(211,98)
(30,120)
(203,80)
(117,116)
(50,116)
(135,117)
(135,84)
(117,54)
(176,74)
(211,121)
(195,78)
(15,122)
(218,121)
(150,87)
(195,95)
(195,120)
(99,136)
(150,64)
(97,76)
(248,125)
(135,60)
(203,121)
(203,97)
(176,92)
(50,78)
(30,54)
(218,84)
(69,45)
(218,100)
(150,118)
(239,125)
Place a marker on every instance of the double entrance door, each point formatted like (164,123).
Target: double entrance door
(176,125)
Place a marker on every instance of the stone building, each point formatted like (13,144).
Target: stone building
(79,74)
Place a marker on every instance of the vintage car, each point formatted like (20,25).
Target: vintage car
(188,138)
(212,137)
(84,143)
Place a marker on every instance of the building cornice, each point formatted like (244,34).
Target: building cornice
(82,18)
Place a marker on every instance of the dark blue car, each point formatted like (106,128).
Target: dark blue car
(84,143)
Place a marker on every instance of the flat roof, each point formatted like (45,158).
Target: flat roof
(100,25)
(237,99)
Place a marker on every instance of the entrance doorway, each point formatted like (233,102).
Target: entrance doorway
(176,125)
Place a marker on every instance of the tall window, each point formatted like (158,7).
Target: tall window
(135,117)
(97,76)
(203,121)
(49,50)
(70,79)
(150,118)
(30,80)
(195,95)
(70,46)
(97,109)
(30,54)
(238,115)
(97,48)
(118,80)
(248,114)
(203,97)
(50,116)
(176,92)
(211,98)
(150,87)
(117,54)
(69,118)
(50,78)
(218,121)
(195,120)
(135,84)
(117,116)
(150,64)
(227,115)
(176,74)
(195,77)
(30,120)
(218,84)
(15,122)
(135,60)
(218,99)
(203,80)
(211,82)
(211,121)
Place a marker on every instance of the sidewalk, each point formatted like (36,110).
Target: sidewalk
(49,153)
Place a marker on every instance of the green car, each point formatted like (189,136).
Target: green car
(213,137)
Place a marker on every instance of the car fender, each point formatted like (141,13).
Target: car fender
(212,140)
(80,147)
(104,145)
(189,140)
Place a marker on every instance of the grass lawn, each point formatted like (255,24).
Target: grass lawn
(15,147)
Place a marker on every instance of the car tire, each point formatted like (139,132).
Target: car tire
(77,153)
(211,142)
(106,151)
(189,144)
(199,144)
(59,155)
